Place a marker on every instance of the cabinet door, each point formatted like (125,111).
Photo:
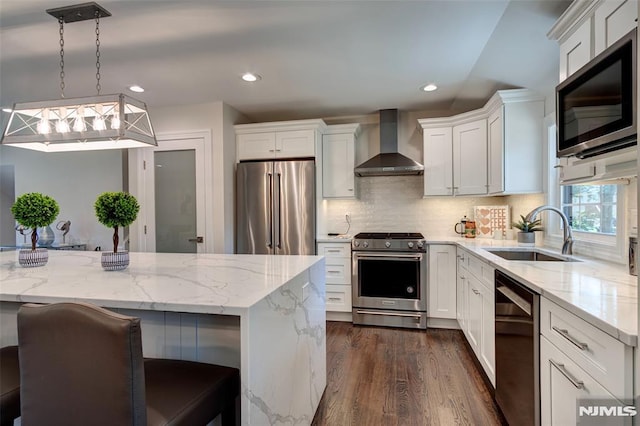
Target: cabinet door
(563,384)
(338,179)
(487,334)
(438,161)
(612,20)
(576,51)
(442,282)
(295,144)
(495,145)
(256,146)
(474,301)
(462,311)
(470,158)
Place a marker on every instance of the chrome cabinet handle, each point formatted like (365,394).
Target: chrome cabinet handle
(565,333)
(579,384)
(335,299)
(475,291)
(196,240)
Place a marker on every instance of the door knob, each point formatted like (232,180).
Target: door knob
(196,240)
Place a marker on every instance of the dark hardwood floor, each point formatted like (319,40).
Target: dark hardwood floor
(386,376)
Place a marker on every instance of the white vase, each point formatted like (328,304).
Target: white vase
(115,261)
(32,258)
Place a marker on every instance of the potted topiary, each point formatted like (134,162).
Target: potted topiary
(527,229)
(116,209)
(34,210)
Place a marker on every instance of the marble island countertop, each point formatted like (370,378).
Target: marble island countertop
(602,293)
(196,283)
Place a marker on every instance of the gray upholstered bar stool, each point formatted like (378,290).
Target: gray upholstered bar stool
(9,385)
(82,365)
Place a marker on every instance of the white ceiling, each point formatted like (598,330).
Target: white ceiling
(316,58)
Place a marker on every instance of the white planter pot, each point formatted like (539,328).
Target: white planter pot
(115,261)
(31,258)
(528,238)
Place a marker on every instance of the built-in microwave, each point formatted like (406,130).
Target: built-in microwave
(596,106)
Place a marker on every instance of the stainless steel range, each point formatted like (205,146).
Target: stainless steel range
(389,279)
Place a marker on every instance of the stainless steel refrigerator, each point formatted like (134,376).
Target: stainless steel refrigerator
(276,208)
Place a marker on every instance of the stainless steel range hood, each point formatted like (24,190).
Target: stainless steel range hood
(389,162)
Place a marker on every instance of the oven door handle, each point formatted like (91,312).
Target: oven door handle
(373,256)
(388,314)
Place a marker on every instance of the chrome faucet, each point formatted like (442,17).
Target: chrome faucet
(567,246)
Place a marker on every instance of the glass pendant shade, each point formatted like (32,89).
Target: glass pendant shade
(80,124)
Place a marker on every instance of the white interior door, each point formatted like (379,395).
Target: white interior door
(174,196)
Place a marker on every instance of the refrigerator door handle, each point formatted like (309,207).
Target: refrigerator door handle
(269,189)
(277,211)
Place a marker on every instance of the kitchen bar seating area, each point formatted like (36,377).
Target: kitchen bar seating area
(81,364)
(258,314)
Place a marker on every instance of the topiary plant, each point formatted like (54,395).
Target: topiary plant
(34,210)
(527,226)
(114,209)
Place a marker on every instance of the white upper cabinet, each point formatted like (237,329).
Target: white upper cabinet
(494,150)
(612,20)
(470,158)
(256,146)
(515,141)
(286,139)
(588,27)
(338,161)
(576,51)
(438,161)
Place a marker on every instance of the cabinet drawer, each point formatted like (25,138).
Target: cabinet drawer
(338,298)
(338,270)
(482,271)
(563,384)
(604,358)
(334,250)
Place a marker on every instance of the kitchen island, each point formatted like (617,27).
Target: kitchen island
(262,314)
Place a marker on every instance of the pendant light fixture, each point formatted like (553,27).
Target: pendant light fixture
(80,124)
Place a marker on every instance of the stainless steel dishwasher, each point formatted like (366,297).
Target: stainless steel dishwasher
(517,351)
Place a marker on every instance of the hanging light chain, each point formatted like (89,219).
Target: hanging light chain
(98,87)
(61,21)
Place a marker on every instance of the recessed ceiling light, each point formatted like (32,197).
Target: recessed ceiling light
(7,109)
(136,88)
(429,87)
(250,77)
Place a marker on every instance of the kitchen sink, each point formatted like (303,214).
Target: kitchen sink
(530,255)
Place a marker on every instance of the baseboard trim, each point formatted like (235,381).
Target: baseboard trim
(340,316)
(447,323)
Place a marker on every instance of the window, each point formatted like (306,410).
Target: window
(591,208)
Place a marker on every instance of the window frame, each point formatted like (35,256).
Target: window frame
(602,246)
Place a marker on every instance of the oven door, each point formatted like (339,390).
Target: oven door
(389,281)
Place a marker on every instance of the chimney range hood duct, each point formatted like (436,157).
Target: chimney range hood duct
(389,162)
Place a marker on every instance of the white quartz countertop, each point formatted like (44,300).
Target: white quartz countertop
(603,294)
(197,283)
(340,238)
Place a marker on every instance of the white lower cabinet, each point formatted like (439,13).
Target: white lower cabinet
(338,275)
(476,309)
(441,294)
(462,311)
(578,363)
(563,384)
